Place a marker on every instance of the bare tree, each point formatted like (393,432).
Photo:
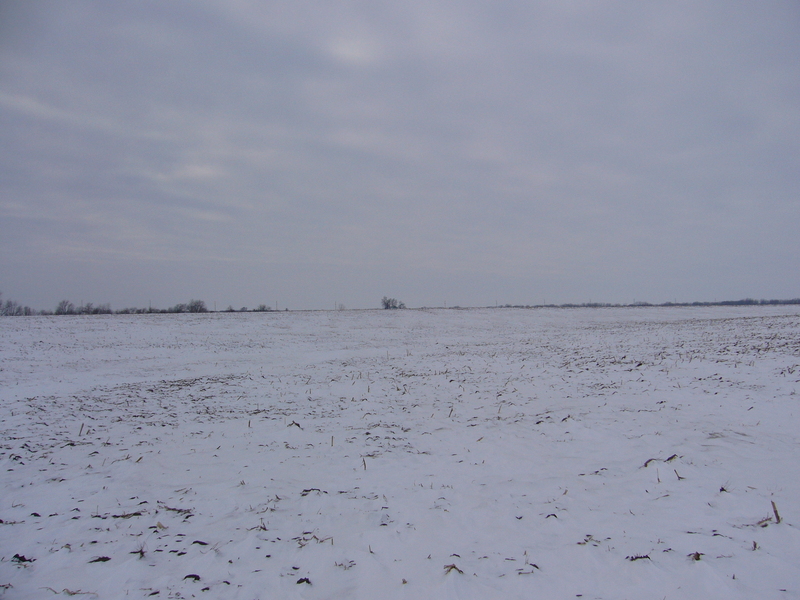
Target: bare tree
(391,303)
(65,307)
(196,306)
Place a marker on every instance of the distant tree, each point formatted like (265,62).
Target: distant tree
(262,308)
(391,303)
(10,309)
(229,309)
(65,307)
(197,306)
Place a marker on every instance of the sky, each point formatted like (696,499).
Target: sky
(309,154)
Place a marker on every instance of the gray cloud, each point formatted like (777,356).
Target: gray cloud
(436,151)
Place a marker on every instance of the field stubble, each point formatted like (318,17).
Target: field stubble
(431,454)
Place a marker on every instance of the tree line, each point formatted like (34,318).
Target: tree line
(743,302)
(11,308)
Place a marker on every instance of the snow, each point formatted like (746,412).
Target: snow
(482,453)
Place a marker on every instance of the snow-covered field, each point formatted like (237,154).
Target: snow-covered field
(581,453)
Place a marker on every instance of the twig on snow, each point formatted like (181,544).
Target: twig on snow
(775,510)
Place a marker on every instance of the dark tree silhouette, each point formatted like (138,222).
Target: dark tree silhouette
(391,303)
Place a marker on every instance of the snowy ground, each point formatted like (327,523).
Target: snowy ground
(582,453)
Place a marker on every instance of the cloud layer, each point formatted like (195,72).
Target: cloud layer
(311,153)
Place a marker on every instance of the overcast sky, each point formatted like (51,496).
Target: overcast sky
(312,153)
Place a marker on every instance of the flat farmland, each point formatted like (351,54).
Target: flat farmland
(482,453)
